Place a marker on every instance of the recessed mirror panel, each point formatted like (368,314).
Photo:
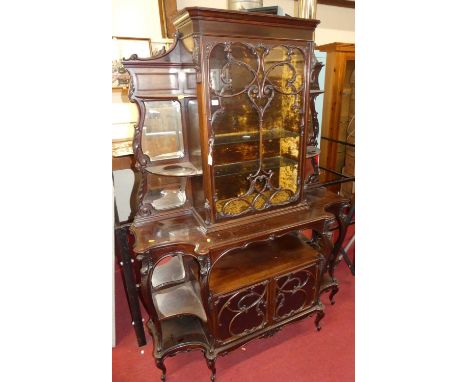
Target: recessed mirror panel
(162,136)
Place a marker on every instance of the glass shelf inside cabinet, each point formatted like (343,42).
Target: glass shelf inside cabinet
(252,136)
(162,136)
(249,167)
(256,97)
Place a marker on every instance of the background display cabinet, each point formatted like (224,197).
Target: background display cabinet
(338,127)
(220,146)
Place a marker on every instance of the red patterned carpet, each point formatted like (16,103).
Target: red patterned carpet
(298,353)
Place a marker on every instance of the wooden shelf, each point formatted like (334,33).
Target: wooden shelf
(183,299)
(260,261)
(184,329)
(249,167)
(187,228)
(175,169)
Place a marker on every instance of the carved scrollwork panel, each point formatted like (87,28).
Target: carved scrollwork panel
(242,312)
(259,89)
(294,292)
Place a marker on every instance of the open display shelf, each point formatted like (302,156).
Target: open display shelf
(183,299)
(181,330)
(179,169)
(226,115)
(261,261)
(172,271)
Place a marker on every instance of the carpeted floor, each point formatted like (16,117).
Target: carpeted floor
(298,353)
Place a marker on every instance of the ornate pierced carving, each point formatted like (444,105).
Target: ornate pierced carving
(316,66)
(147,264)
(159,52)
(205,264)
(260,195)
(142,159)
(144,209)
(196,57)
(238,304)
(260,90)
(208,49)
(312,139)
(292,285)
(131,88)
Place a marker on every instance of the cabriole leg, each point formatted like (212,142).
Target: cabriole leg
(320,315)
(334,291)
(212,367)
(160,365)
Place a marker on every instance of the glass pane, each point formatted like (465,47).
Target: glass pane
(165,192)
(337,145)
(256,116)
(193,133)
(162,130)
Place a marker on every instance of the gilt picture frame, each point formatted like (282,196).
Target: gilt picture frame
(124,47)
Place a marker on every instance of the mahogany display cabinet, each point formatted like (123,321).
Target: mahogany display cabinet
(221,146)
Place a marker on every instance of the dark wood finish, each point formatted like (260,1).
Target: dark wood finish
(123,163)
(218,22)
(187,229)
(338,3)
(211,279)
(258,261)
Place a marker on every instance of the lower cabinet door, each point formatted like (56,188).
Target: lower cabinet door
(294,292)
(241,312)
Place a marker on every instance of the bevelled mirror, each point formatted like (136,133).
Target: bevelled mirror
(162,136)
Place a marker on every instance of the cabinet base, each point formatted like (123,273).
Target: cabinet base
(211,353)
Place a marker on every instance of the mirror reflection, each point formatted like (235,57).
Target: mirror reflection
(162,136)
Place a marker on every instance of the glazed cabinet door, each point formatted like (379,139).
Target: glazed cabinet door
(295,292)
(241,312)
(256,95)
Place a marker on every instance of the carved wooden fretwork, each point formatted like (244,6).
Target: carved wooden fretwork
(260,195)
(312,140)
(290,286)
(260,90)
(242,303)
(143,209)
(205,264)
(196,57)
(142,159)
